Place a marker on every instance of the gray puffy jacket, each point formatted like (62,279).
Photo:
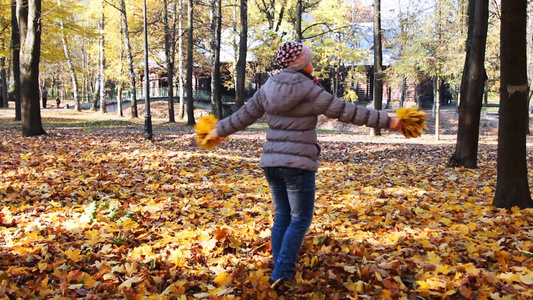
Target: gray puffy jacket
(292,103)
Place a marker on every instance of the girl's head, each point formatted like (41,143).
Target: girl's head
(295,55)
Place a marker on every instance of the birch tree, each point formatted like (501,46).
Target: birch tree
(70,65)
(129,57)
(101,60)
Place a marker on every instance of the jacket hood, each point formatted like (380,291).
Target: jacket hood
(286,89)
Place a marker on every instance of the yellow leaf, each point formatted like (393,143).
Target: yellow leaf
(42,266)
(73,254)
(487,189)
(443,269)
(527,278)
(434,258)
(446,221)
(129,224)
(226,189)
(203,127)
(129,282)
(223,279)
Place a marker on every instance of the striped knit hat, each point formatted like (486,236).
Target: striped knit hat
(293,55)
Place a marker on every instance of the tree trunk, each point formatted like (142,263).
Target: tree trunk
(512,188)
(472,87)
(29,20)
(3,79)
(241,63)
(119,84)
(216,84)
(101,59)
(298,25)
(378,63)
(15,45)
(170,50)
(96,94)
(70,66)
(190,102)
(436,102)
(129,55)
(181,111)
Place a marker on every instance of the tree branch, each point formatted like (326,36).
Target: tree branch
(325,32)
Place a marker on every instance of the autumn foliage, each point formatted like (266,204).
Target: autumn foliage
(104,214)
(414,121)
(203,127)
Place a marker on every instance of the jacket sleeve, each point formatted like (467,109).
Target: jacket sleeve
(347,112)
(244,117)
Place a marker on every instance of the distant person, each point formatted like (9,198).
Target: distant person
(45,97)
(58,101)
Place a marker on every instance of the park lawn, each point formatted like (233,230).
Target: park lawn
(90,211)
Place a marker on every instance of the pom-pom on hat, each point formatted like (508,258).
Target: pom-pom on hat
(293,55)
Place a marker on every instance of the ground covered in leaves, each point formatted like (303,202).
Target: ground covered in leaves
(100,213)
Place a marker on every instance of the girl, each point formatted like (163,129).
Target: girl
(292,102)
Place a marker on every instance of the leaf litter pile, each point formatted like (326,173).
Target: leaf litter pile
(100,214)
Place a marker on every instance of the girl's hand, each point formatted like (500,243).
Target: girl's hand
(396,124)
(214,134)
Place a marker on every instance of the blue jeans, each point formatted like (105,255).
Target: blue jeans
(293,194)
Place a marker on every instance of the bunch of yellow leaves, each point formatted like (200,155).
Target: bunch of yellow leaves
(203,127)
(414,121)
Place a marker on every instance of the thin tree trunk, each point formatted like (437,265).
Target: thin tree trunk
(96,95)
(15,45)
(378,63)
(181,111)
(512,187)
(298,25)
(241,63)
(436,101)
(119,85)
(129,56)
(101,58)
(71,69)
(216,101)
(472,87)
(190,103)
(29,20)
(3,78)
(170,50)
